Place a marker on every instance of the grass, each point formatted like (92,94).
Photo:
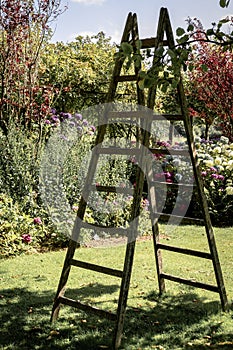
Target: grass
(184,318)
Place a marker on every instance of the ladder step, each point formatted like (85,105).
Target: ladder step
(170,117)
(113,189)
(120,231)
(145,114)
(184,219)
(88,308)
(186,251)
(148,43)
(171,184)
(123,78)
(129,114)
(176,152)
(118,150)
(97,268)
(210,287)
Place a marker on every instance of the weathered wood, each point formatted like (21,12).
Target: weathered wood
(120,231)
(180,219)
(124,78)
(118,150)
(186,251)
(113,189)
(175,152)
(172,184)
(192,283)
(87,308)
(169,117)
(97,268)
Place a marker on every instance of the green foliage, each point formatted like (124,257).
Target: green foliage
(78,71)
(19,165)
(18,231)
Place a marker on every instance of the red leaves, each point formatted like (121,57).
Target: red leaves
(213,85)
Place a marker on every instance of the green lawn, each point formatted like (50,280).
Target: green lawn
(184,318)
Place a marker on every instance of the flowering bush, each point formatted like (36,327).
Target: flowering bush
(18,231)
(216,164)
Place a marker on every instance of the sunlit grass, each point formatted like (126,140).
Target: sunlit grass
(184,318)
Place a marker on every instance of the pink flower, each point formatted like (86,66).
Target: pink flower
(26,238)
(37,221)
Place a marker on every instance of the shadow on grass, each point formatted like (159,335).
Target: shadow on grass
(171,322)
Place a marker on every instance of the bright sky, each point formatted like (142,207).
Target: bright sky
(92,16)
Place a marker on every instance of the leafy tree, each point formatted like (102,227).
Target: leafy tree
(24,27)
(78,72)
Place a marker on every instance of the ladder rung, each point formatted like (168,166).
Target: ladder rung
(177,152)
(113,189)
(97,268)
(187,251)
(101,228)
(190,282)
(149,43)
(118,150)
(145,114)
(87,308)
(129,114)
(184,219)
(122,78)
(171,184)
(170,117)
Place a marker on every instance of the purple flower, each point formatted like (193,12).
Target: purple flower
(214,176)
(72,124)
(79,128)
(26,238)
(221,177)
(47,121)
(85,122)
(54,118)
(53,111)
(93,128)
(78,116)
(204,173)
(37,220)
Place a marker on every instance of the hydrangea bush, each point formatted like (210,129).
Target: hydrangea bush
(216,164)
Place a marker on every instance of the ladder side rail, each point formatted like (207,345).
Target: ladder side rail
(101,131)
(198,179)
(135,210)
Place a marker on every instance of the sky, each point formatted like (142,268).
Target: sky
(88,17)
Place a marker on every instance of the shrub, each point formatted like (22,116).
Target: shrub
(216,163)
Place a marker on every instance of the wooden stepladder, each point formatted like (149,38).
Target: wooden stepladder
(145,118)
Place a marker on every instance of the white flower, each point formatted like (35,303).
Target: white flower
(218,161)
(229,190)
(224,139)
(217,149)
(209,163)
(230,165)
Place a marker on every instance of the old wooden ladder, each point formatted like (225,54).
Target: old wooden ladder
(144,117)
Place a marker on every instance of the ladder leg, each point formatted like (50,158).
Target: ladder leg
(123,294)
(158,257)
(63,280)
